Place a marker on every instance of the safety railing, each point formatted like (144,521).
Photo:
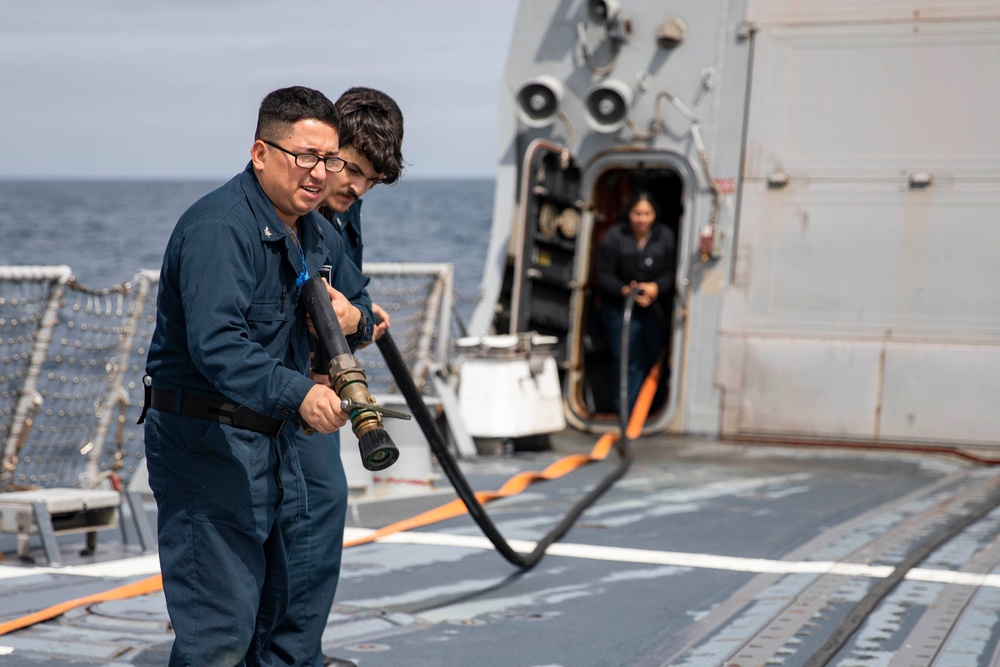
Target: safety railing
(72,360)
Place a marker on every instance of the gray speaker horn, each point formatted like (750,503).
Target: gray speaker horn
(538,101)
(602,11)
(606,106)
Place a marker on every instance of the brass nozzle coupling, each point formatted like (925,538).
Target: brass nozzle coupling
(348,379)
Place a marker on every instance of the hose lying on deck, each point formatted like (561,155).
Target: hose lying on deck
(394,361)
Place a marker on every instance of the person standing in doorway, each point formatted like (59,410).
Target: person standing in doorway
(227,383)
(638,255)
(371,136)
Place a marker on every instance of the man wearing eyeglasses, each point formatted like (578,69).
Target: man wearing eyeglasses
(371,137)
(227,383)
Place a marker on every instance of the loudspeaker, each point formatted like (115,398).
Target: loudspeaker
(538,101)
(606,106)
(602,11)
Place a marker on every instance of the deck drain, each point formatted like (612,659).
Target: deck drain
(367,647)
(468,621)
(523,615)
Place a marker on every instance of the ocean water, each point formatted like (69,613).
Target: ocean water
(106,231)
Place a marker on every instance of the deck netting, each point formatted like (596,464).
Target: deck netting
(73,358)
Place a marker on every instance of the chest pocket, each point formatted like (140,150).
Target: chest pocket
(269,321)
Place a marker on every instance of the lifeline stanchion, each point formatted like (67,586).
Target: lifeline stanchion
(394,361)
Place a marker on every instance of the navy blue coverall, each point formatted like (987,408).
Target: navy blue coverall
(229,327)
(620,261)
(315,564)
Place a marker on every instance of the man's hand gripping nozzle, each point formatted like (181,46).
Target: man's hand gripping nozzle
(348,379)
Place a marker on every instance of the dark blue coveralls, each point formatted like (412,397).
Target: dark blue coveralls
(315,564)
(229,327)
(620,261)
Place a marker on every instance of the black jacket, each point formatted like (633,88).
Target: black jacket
(620,261)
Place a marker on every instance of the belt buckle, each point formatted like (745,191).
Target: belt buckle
(227,413)
(242,417)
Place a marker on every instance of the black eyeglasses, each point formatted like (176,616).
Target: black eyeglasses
(309,160)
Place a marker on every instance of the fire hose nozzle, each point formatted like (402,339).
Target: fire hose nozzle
(347,378)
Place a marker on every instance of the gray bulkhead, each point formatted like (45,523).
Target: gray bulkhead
(863,301)
(851,160)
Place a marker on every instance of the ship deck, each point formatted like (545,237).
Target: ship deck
(704,554)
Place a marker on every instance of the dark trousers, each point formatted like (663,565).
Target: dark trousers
(647,336)
(228,503)
(315,563)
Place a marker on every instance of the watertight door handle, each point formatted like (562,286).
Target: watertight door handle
(777,179)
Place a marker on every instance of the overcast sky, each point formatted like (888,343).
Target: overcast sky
(133,88)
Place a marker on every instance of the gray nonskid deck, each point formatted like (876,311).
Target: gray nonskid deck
(696,555)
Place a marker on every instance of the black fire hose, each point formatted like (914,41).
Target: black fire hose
(624,407)
(394,361)
(348,379)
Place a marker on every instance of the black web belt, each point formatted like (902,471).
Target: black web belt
(231,414)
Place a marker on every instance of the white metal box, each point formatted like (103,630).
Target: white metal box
(509,386)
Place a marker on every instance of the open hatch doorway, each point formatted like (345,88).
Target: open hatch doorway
(590,397)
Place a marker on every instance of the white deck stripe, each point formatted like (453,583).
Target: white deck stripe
(706,561)
(147,565)
(126,567)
